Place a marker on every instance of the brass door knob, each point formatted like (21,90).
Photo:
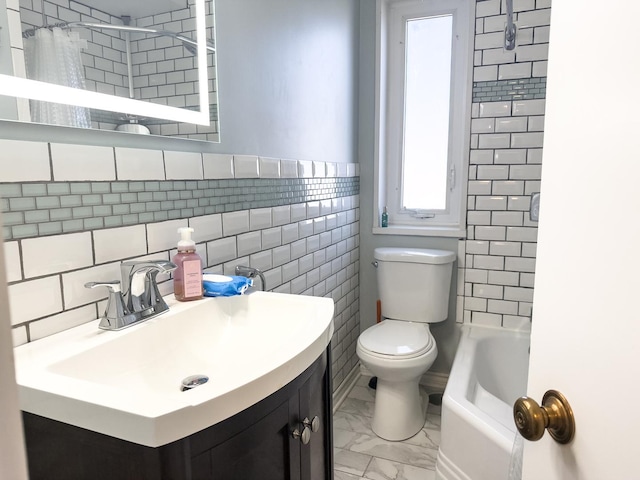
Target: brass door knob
(555,415)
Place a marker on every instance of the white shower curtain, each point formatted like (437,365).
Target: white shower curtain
(53,56)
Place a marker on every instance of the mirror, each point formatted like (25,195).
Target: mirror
(141,67)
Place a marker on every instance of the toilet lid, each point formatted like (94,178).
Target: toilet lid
(401,339)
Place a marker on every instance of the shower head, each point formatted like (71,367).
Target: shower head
(510,30)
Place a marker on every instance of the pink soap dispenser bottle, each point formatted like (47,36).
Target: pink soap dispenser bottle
(187,278)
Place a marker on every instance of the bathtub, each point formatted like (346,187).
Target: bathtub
(489,373)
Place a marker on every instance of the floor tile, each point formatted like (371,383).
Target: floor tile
(363,381)
(377,447)
(357,406)
(380,469)
(350,462)
(427,438)
(435,409)
(363,393)
(433,421)
(338,475)
(353,422)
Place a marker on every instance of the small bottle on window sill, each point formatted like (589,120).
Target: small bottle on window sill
(385,218)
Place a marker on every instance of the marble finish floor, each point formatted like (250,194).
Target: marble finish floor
(360,455)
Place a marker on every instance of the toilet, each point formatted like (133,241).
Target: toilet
(413,285)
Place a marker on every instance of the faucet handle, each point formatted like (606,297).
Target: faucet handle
(116,316)
(112,285)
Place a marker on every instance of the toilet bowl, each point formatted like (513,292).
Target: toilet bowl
(398,353)
(414,287)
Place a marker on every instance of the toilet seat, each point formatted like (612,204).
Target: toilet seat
(397,339)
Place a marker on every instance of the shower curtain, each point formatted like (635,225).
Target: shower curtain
(53,56)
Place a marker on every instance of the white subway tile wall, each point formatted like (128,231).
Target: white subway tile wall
(50,325)
(118,243)
(505,165)
(305,169)
(246,166)
(139,164)
(269,167)
(60,253)
(309,248)
(207,226)
(164,235)
(281,215)
(319,169)
(12,261)
(30,162)
(249,243)
(288,169)
(234,223)
(217,165)
(183,165)
(82,162)
(74,292)
(22,306)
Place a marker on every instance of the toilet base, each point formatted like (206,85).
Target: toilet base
(400,411)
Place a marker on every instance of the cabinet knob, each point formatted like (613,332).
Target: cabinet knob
(314,424)
(304,437)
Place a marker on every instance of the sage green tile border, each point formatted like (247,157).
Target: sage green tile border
(507,90)
(50,208)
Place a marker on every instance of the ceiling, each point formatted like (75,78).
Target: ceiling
(135,9)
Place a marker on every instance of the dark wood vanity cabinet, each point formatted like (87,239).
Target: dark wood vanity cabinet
(255,444)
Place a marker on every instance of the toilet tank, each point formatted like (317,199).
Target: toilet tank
(414,283)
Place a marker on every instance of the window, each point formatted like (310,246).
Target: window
(425,143)
(423,114)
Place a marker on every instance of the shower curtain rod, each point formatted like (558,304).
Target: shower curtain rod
(123,28)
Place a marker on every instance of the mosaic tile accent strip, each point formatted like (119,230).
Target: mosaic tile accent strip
(507,90)
(37,209)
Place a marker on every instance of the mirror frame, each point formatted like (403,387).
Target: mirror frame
(36,90)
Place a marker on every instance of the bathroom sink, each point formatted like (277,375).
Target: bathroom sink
(127,384)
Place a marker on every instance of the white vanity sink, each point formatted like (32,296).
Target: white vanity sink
(127,384)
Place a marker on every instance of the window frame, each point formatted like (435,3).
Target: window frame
(389,111)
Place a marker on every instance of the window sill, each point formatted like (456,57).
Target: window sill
(431,231)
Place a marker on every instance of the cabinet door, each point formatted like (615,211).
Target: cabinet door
(314,398)
(263,451)
(56,450)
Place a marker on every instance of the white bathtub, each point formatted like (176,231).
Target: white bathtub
(489,373)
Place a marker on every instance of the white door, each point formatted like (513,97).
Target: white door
(586,323)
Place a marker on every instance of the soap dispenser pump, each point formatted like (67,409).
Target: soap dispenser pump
(187,278)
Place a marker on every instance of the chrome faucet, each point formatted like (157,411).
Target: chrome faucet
(140,287)
(137,298)
(249,272)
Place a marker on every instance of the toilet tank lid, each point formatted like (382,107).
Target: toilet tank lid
(414,255)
